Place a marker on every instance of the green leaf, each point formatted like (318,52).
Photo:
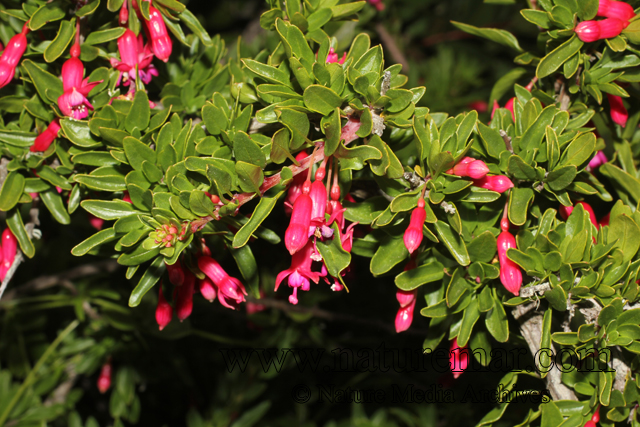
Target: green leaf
(414,278)
(102,236)
(545,341)
(267,72)
(390,252)
(483,247)
(139,114)
(470,317)
(519,203)
(335,257)
(453,242)
(519,169)
(55,205)
(246,150)
(497,323)
(560,178)
(298,124)
(88,8)
(499,36)
(11,191)
(63,38)
(14,221)
(321,99)
(173,5)
(97,37)
(43,81)
(137,152)
(248,268)
(342,11)
(200,203)
(552,62)
(102,183)
(332,129)
(46,13)
(580,150)
(194,25)
(78,132)
(628,182)
(148,280)
(109,209)
(250,177)
(626,232)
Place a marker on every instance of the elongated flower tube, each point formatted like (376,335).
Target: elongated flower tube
(619,113)
(295,188)
(161,44)
(404,317)
(184,296)
(176,273)
(124,13)
(318,195)
(297,234)
(104,379)
(510,274)
(413,234)
(458,358)
(228,287)
(207,289)
(299,272)
(46,138)
(498,183)
(73,102)
(590,31)
(12,55)
(615,9)
(164,312)
(9,248)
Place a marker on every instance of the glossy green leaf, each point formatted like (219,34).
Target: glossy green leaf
(99,238)
(16,225)
(552,62)
(499,36)
(148,280)
(453,242)
(414,278)
(321,99)
(62,40)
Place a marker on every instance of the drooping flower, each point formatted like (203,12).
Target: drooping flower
(318,195)
(228,287)
(161,44)
(332,57)
(9,248)
(207,289)
(615,9)
(299,272)
(295,187)
(407,301)
(164,312)
(498,183)
(619,113)
(590,31)
(133,52)
(124,13)
(73,102)
(510,274)
(176,273)
(468,166)
(46,138)
(184,296)
(12,55)
(297,234)
(599,159)
(413,234)
(104,380)
(458,358)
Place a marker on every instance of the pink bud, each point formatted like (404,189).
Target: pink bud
(318,196)
(510,274)
(12,55)
(406,297)
(95,222)
(498,183)
(377,4)
(619,114)
(615,9)
(596,415)
(184,296)
(297,234)
(458,358)
(104,380)
(565,211)
(590,423)
(164,312)
(599,159)
(46,138)
(161,43)
(413,234)
(128,48)
(588,31)
(124,13)
(207,289)
(477,169)
(9,246)
(404,317)
(126,197)
(176,273)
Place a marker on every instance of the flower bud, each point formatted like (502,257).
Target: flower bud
(104,380)
(615,9)
(184,296)
(9,246)
(413,234)
(599,159)
(565,211)
(596,415)
(406,297)
(228,287)
(46,138)
(124,13)
(510,274)
(207,289)
(12,55)
(164,312)
(498,183)
(297,234)
(161,44)
(176,273)
(619,113)
(318,196)
(588,31)
(458,358)
(404,317)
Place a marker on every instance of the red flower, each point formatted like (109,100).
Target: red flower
(300,272)
(510,274)
(615,9)
(164,312)
(297,234)
(133,53)
(590,31)
(12,56)
(619,113)
(407,301)
(184,296)
(228,287)
(73,102)
(458,358)
(46,138)
(413,234)
(161,44)
(498,183)
(104,380)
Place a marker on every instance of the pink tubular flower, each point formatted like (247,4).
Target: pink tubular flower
(228,287)
(407,301)
(297,234)
(104,380)
(12,55)
(73,102)
(590,31)
(161,44)
(599,159)
(498,183)
(619,114)
(295,188)
(615,9)
(9,248)
(124,13)
(318,195)
(46,138)
(333,58)
(133,53)
(164,312)
(300,272)
(510,274)
(184,296)
(207,289)
(468,166)
(413,234)
(176,273)
(458,358)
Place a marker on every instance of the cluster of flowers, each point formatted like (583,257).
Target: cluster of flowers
(217,282)
(617,16)
(135,61)
(308,203)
